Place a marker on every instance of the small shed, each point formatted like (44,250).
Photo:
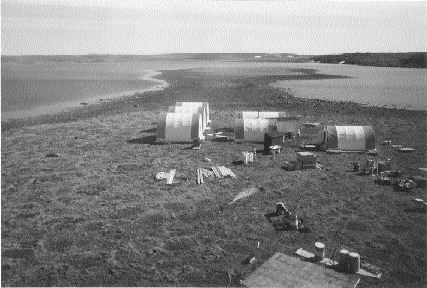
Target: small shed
(348,138)
(180,127)
(253,130)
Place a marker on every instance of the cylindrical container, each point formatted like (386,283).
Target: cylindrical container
(356,167)
(353,260)
(343,260)
(319,250)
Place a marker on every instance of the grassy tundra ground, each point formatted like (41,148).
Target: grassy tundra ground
(95,215)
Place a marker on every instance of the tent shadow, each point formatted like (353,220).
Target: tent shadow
(415,210)
(151,140)
(151,130)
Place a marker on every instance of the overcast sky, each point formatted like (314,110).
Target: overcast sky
(154,27)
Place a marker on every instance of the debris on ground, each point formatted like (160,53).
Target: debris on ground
(330,262)
(221,172)
(406,149)
(171,175)
(161,175)
(199,176)
(405,185)
(208,159)
(245,193)
(289,166)
(309,147)
(248,157)
(51,155)
(420,202)
(249,259)
(420,181)
(306,160)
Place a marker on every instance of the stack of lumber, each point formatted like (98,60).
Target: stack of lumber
(216,171)
(221,172)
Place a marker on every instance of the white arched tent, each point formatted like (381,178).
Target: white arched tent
(348,138)
(180,127)
(190,110)
(253,130)
(260,114)
(204,105)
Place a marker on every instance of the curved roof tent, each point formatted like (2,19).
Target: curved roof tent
(205,106)
(180,127)
(260,114)
(348,138)
(191,110)
(253,130)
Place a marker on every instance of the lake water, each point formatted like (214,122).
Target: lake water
(49,87)
(375,86)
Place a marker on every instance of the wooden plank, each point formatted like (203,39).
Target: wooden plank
(286,271)
(171,176)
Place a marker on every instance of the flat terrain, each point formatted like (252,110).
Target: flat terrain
(96,216)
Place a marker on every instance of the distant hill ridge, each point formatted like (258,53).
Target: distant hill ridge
(409,60)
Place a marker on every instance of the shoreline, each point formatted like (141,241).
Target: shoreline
(64,107)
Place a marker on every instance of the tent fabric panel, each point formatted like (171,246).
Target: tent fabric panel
(331,137)
(254,129)
(197,127)
(369,137)
(350,137)
(239,130)
(191,109)
(178,127)
(203,105)
(161,126)
(287,126)
(248,115)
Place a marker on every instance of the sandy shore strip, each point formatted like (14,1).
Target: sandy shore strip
(158,84)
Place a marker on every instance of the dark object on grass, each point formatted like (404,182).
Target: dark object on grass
(273,138)
(420,181)
(334,151)
(249,259)
(356,167)
(196,145)
(405,185)
(383,180)
(308,147)
(394,174)
(51,155)
(220,138)
(288,166)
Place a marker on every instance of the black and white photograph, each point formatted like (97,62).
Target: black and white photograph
(213,143)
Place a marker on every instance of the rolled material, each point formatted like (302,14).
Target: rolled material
(353,262)
(320,250)
(343,259)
